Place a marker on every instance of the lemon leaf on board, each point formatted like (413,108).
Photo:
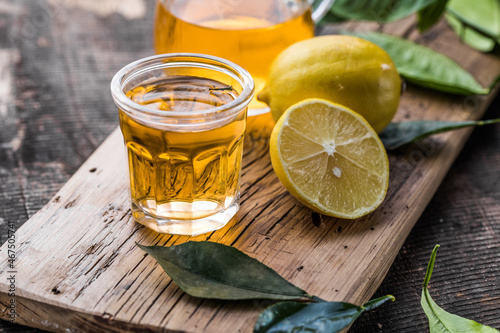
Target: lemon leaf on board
(399,134)
(427,68)
(326,317)
(377,10)
(431,14)
(217,271)
(470,36)
(484,15)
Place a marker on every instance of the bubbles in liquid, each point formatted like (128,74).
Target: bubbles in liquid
(183,94)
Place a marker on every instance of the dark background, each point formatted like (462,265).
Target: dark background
(56,62)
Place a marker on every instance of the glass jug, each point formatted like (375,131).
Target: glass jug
(250,33)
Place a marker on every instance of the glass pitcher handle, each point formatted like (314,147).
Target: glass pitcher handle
(320,8)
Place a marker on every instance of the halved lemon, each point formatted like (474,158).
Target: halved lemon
(330,159)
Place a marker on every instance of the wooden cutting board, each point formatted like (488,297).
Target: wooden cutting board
(77,267)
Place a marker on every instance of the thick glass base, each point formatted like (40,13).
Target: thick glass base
(185,227)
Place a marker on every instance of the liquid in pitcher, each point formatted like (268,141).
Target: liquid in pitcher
(183,175)
(251,33)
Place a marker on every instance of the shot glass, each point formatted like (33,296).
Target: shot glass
(183,120)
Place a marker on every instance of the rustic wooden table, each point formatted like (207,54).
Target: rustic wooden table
(56,60)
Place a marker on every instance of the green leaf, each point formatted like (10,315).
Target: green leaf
(422,66)
(396,135)
(469,36)
(377,10)
(212,270)
(302,317)
(441,321)
(482,15)
(431,14)
(312,317)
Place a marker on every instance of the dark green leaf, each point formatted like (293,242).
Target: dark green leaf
(302,317)
(211,270)
(422,66)
(377,10)
(431,14)
(327,317)
(483,15)
(469,36)
(441,321)
(396,135)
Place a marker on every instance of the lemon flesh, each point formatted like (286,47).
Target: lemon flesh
(342,69)
(330,159)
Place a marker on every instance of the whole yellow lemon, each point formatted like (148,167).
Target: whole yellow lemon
(343,69)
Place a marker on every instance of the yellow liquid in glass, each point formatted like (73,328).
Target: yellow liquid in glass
(249,41)
(183,175)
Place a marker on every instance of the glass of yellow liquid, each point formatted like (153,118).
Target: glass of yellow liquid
(250,33)
(183,119)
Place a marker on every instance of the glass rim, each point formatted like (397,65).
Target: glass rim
(222,65)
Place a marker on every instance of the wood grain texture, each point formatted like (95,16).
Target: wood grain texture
(62,111)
